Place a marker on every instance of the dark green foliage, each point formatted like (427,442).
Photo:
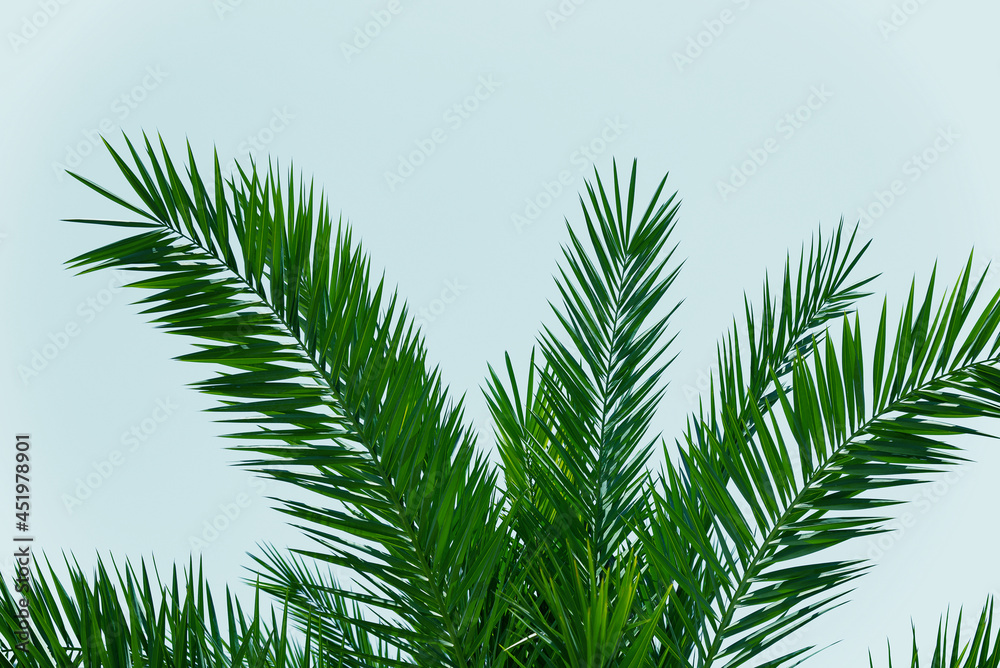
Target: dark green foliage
(571,553)
(124,621)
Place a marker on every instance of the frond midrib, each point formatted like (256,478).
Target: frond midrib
(602,467)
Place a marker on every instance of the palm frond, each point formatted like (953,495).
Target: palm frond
(752,364)
(583,434)
(308,592)
(122,620)
(812,471)
(574,448)
(329,367)
(982,650)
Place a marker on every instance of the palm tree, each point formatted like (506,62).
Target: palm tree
(572,552)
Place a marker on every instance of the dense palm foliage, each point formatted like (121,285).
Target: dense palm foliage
(572,552)
(87,624)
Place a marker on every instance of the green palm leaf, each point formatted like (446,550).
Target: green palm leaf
(574,450)
(982,650)
(751,366)
(122,621)
(328,365)
(811,471)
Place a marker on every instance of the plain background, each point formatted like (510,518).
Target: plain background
(696,89)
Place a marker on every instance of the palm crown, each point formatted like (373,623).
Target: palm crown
(572,552)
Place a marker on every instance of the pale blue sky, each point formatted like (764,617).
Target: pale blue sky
(455,136)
